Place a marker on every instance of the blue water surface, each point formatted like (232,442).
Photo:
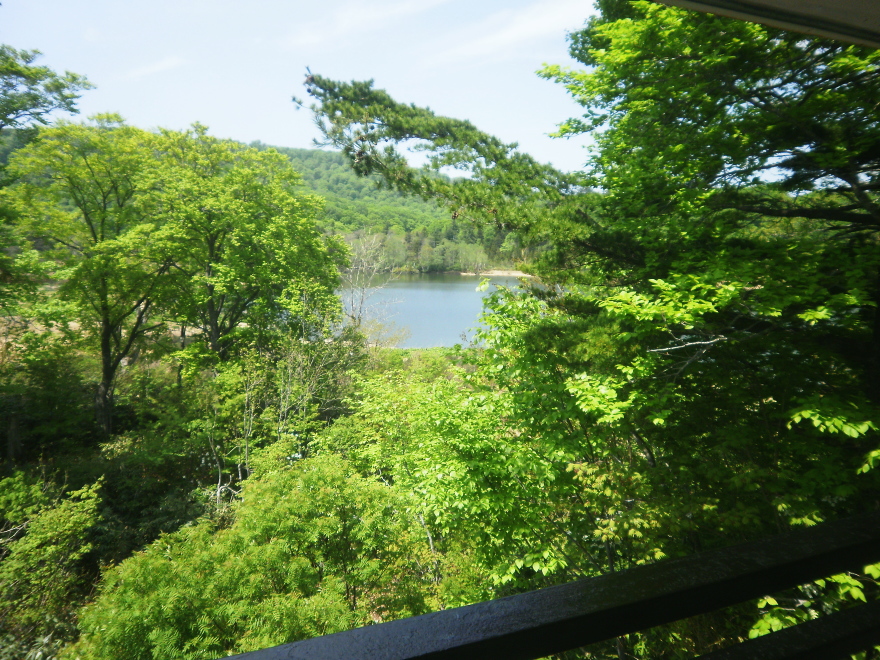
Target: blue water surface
(435,308)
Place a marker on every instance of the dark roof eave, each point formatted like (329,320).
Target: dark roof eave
(851,21)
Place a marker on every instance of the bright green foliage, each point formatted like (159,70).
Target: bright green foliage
(20,269)
(552,472)
(674,391)
(701,364)
(240,239)
(140,233)
(484,467)
(211,422)
(745,310)
(810,601)
(743,156)
(312,549)
(181,228)
(692,111)
(423,432)
(41,578)
(21,498)
(81,189)
(29,93)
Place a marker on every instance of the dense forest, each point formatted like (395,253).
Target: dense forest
(203,456)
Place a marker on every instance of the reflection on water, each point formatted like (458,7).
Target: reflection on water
(435,308)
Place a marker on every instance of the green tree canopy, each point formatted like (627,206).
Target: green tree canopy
(146,229)
(29,93)
(690,109)
(239,232)
(81,189)
(313,549)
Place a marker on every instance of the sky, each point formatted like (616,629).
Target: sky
(234,66)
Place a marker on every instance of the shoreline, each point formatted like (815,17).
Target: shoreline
(496,272)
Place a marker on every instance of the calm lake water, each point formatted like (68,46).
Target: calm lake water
(436,309)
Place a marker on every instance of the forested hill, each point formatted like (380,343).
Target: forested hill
(356,203)
(410,233)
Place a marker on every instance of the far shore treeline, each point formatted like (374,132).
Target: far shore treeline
(203,452)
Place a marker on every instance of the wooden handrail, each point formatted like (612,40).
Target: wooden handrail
(830,637)
(567,616)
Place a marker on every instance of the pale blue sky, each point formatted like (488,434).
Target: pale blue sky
(235,65)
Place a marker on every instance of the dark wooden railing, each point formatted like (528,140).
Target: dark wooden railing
(568,616)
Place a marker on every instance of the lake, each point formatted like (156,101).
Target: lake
(435,309)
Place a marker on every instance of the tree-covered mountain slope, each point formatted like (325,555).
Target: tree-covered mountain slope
(356,203)
(411,234)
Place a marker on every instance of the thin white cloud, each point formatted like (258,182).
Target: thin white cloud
(505,33)
(354,17)
(156,67)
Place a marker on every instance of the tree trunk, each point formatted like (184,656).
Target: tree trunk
(104,393)
(13,438)
(104,408)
